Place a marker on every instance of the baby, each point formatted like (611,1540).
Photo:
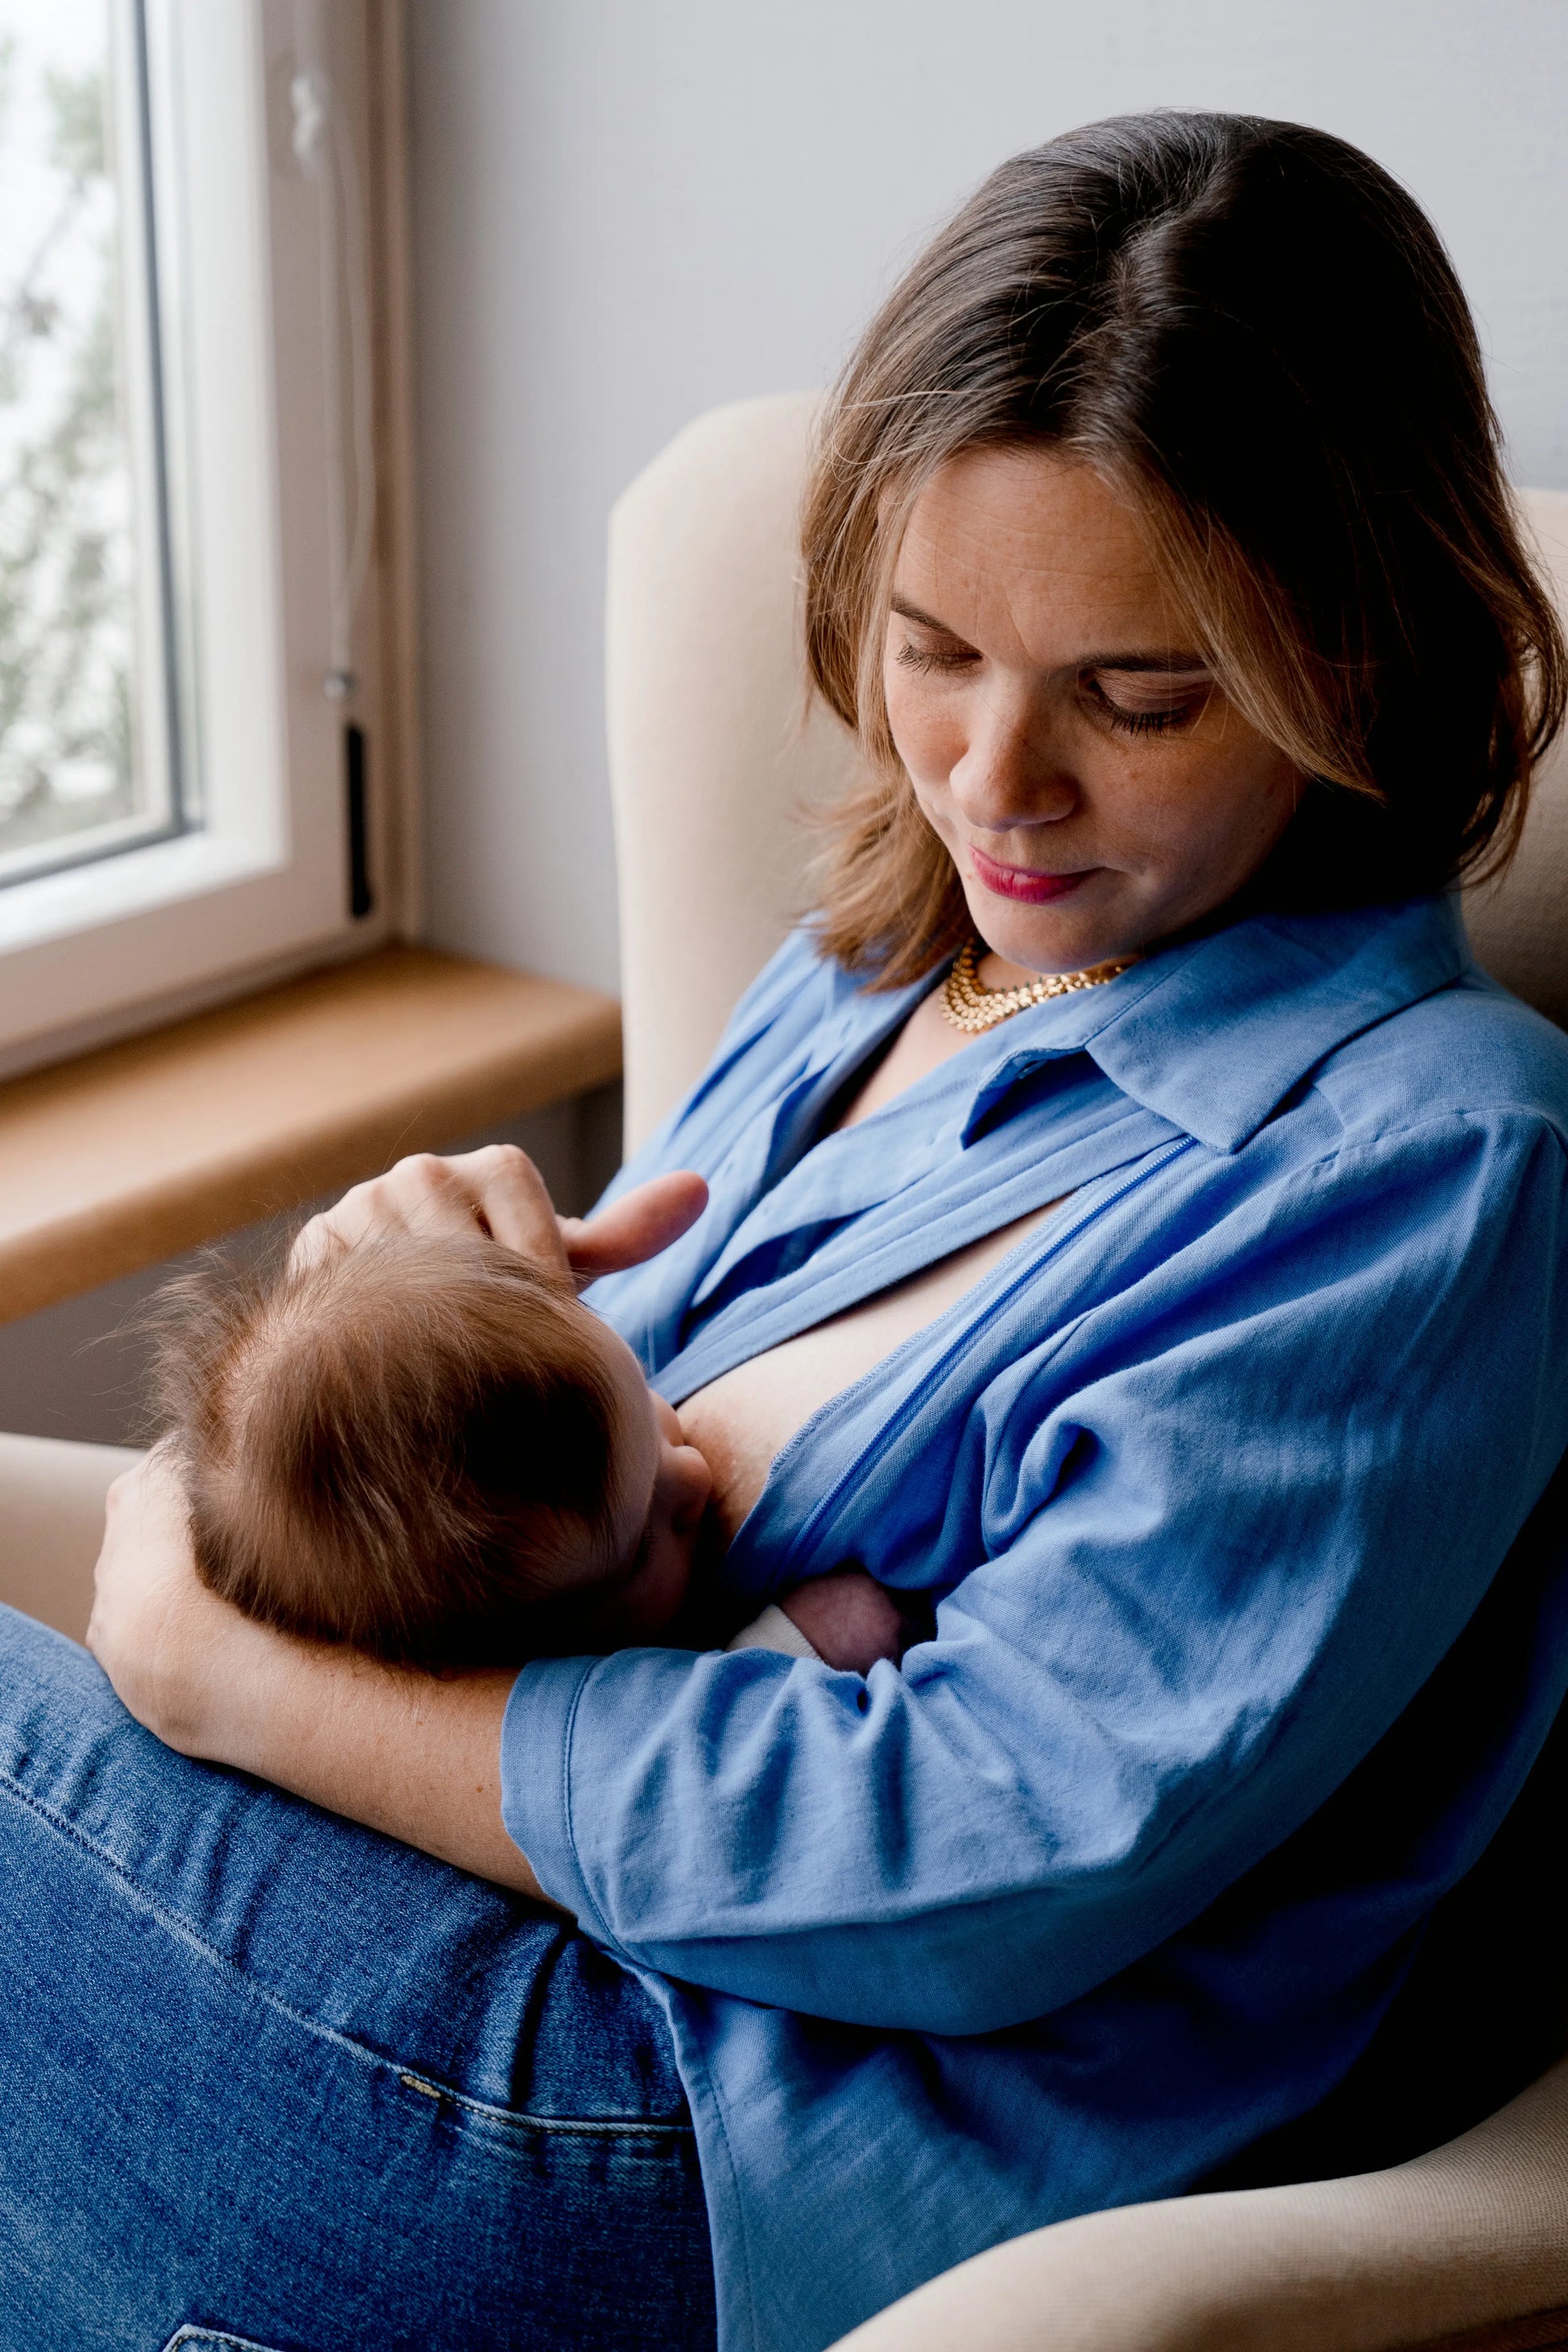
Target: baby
(427,1448)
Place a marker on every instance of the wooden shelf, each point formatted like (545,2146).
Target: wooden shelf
(121,1158)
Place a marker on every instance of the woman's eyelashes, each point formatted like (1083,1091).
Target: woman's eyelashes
(949,655)
(1138,702)
(1150,702)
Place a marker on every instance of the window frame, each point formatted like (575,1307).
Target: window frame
(261,885)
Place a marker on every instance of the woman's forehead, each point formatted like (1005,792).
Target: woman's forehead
(1032,550)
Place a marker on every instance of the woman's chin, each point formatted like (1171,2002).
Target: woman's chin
(1066,935)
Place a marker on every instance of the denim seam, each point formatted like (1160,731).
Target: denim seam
(172,1921)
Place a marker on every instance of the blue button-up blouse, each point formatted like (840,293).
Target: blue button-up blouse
(1208,1478)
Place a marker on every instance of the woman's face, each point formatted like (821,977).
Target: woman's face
(1095,788)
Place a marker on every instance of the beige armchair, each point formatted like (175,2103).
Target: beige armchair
(715,759)
(51,1523)
(714,756)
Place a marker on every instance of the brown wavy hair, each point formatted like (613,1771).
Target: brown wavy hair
(1251,328)
(384,1444)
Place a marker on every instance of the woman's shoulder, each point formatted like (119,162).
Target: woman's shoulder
(1468,1051)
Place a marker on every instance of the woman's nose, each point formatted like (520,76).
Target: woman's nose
(1012,772)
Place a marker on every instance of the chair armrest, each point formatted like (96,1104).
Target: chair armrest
(51,1524)
(1462,2239)
(1543,2331)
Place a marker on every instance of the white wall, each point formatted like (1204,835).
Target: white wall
(627,210)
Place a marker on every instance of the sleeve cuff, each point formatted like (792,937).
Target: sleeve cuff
(536,1781)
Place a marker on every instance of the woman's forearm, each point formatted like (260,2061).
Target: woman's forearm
(417,1757)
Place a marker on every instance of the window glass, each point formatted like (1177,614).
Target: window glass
(85,764)
(191,622)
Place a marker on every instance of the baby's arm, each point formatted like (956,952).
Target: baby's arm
(846,1619)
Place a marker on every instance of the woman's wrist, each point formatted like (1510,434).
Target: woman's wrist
(240,1694)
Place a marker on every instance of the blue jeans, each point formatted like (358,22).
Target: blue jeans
(267,2076)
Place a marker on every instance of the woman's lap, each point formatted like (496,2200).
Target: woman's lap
(266,2073)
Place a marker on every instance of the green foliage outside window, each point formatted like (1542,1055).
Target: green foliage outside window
(66,557)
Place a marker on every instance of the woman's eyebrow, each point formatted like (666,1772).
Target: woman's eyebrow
(1176,664)
(908,611)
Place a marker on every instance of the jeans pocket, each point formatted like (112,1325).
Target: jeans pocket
(215,2338)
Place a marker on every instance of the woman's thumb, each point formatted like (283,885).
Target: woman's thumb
(636,1227)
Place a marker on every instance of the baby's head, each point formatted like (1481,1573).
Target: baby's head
(427,1448)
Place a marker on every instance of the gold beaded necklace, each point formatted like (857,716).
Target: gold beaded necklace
(969,1006)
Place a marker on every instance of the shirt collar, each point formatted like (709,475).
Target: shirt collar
(1213,1034)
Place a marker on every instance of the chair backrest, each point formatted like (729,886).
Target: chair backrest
(716,755)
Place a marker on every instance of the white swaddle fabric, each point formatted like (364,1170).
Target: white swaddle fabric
(773,1630)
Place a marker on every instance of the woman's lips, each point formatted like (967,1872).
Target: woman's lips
(1022,881)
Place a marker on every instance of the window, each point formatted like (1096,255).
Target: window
(88,759)
(192,570)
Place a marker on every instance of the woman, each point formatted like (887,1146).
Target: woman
(1133,1226)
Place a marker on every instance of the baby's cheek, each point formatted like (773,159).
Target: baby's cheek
(641,1609)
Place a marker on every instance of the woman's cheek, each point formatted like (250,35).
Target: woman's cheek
(1199,816)
(1230,796)
(928,733)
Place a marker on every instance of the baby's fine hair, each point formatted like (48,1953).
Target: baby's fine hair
(386,1445)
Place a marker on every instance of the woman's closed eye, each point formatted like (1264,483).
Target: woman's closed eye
(1149,701)
(941,654)
(1143,701)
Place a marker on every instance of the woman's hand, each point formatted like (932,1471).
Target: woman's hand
(500,1191)
(168,1645)
(417,1757)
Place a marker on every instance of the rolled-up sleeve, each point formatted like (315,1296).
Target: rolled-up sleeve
(1229,1522)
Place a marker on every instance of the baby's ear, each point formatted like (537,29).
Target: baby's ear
(637,1226)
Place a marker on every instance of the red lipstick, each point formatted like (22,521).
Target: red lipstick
(1022,882)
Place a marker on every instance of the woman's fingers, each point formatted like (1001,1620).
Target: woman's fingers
(512,1203)
(497,1189)
(185,1664)
(421,1194)
(637,1226)
(145,1573)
